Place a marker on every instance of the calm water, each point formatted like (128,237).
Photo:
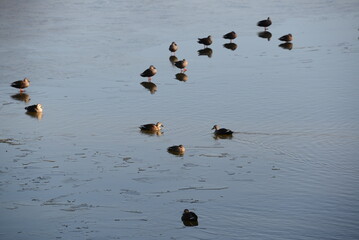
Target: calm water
(84,171)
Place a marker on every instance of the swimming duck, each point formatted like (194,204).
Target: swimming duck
(221,131)
(21,84)
(205,41)
(37,108)
(286,38)
(265,23)
(177,150)
(150,72)
(231,35)
(173,47)
(182,65)
(151,127)
(189,216)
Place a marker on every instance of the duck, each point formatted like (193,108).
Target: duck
(205,41)
(286,38)
(21,84)
(265,23)
(177,149)
(182,64)
(152,127)
(173,47)
(221,131)
(189,216)
(37,108)
(149,72)
(231,35)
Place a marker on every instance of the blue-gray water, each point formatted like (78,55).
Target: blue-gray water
(84,171)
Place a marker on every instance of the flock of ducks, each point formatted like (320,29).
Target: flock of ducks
(188,218)
(155,128)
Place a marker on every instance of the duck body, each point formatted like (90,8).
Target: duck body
(182,64)
(231,35)
(37,108)
(151,127)
(205,41)
(189,216)
(265,23)
(173,47)
(150,72)
(221,131)
(177,149)
(21,84)
(286,38)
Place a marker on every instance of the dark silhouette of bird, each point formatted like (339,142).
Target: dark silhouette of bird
(205,41)
(265,23)
(231,35)
(149,73)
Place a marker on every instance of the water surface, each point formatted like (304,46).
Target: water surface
(84,170)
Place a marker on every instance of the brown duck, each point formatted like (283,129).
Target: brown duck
(265,23)
(21,84)
(286,38)
(221,131)
(205,41)
(182,64)
(177,150)
(149,73)
(173,47)
(37,108)
(231,35)
(151,127)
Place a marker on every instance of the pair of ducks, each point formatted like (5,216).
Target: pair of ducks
(22,84)
(154,128)
(267,22)
(180,149)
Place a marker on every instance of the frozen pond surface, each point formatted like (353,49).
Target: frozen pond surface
(83,170)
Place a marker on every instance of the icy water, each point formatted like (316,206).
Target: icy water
(83,170)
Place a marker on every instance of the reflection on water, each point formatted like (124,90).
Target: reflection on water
(190,223)
(286,45)
(150,86)
(37,115)
(205,52)
(230,46)
(218,136)
(21,97)
(181,77)
(265,34)
(152,133)
(173,59)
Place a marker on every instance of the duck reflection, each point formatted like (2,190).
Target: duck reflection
(37,115)
(230,46)
(265,34)
(286,45)
(21,97)
(152,133)
(190,223)
(216,137)
(205,52)
(181,77)
(150,86)
(173,59)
